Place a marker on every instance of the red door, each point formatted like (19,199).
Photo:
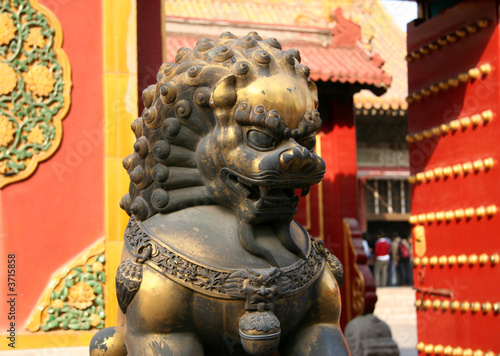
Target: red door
(454,132)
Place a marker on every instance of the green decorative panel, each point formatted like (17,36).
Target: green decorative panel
(74,298)
(34,87)
(79,302)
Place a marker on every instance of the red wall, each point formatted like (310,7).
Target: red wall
(471,282)
(51,217)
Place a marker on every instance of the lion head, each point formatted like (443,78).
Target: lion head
(231,122)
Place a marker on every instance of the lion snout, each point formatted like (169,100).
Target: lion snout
(298,160)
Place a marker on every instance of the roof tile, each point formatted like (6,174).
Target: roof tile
(342,58)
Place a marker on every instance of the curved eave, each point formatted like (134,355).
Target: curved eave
(379,82)
(374,106)
(346,65)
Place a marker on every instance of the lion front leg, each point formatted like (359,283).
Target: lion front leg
(317,340)
(159,319)
(175,344)
(321,334)
(108,342)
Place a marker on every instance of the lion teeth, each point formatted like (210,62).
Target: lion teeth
(243,189)
(259,204)
(305,191)
(264,191)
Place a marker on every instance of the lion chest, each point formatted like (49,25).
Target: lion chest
(163,306)
(161,290)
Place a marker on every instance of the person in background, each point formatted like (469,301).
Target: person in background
(370,258)
(404,264)
(410,242)
(394,274)
(382,257)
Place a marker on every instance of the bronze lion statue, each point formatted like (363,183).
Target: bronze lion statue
(213,262)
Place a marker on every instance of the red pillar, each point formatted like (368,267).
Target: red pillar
(150,43)
(362,207)
(338,149)
(339,203)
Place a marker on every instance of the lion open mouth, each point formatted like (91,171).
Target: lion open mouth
(265,195)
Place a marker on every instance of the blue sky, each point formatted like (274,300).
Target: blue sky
(402,11)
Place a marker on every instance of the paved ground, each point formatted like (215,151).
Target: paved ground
(73,351)
(394,306)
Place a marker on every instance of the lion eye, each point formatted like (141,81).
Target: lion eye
(260,139)
(308,142)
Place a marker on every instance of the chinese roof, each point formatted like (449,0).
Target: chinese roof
(340,41)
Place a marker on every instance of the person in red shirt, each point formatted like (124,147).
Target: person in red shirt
(382,257)
(404,265)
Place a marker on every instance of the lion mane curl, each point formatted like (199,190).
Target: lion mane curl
(180,111)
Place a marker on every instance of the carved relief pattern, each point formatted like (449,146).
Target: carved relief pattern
(34,89)
(259,287)
(129,274)
(358,293)
(259,321)
(128,282)
(216,282)
(78,302)
(357,286)
(333,262)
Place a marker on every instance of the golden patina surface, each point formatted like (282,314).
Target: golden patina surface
(213,262)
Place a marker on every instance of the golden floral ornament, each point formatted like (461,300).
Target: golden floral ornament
(57,304)
(3,167)
(35,38)
(97,267)
(81,296)
(35,87)
(8,78)
(7,131)
(72,305)
(60,305)
(95,320)
(36,136)
(7,29)
(39,80)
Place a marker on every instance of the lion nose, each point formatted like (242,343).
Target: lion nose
(262,291)
(297,160)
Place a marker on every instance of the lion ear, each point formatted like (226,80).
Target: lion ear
(314,92)
(224,93)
